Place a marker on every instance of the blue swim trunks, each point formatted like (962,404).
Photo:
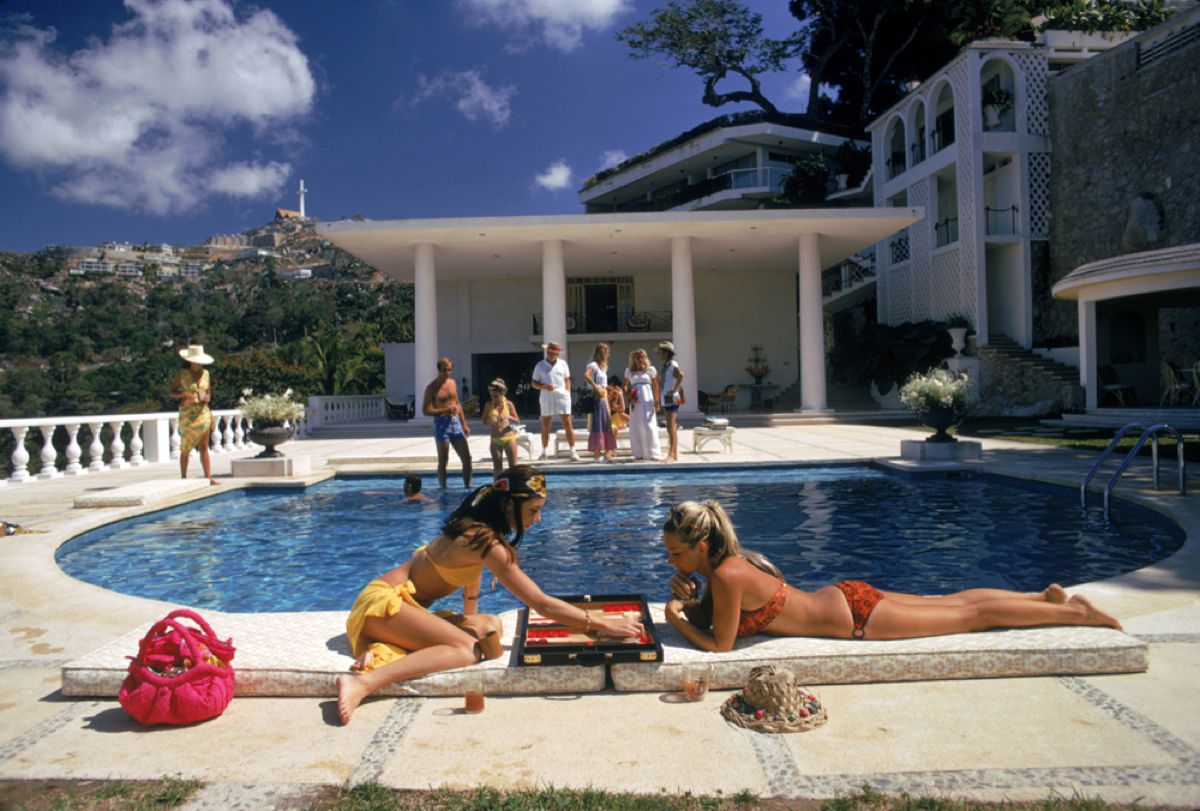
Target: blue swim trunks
(446,429)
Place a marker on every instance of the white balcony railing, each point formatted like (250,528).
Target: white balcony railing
(343,408)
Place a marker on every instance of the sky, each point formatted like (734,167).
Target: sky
(174,120)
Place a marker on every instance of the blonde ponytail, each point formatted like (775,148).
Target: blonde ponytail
(694,522)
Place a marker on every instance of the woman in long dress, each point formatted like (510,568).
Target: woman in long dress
(642,382)
(601,438)
(193,389)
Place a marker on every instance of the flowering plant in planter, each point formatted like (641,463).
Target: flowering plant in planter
(757,368)
(262,408)
(937,388)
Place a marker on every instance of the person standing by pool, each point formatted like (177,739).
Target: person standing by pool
(552,377)
(672,395)
(601,439)
(449,422)
(616,405)
(499,413)
(642,382)
(394,636)
(746,595)
(193,388)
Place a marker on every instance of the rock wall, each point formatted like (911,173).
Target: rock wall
(1126,157)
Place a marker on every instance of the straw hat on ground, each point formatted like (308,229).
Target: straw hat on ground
(773,702)
(195,354)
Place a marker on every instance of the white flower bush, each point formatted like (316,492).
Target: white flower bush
(937,387)
(270,407)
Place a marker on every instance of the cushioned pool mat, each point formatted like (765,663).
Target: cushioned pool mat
(991,654)
(303,654)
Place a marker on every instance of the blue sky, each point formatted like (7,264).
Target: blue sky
(172,120)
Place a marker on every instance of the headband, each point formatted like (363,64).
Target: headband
(533,487)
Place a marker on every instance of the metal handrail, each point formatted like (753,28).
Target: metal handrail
(1152,434)
(1107,452)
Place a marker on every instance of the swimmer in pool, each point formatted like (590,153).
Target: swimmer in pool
(747,595)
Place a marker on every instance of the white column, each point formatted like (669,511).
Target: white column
(1089,374)
(156,439)
(683,319)
(425,337)
(812,327)
(554,293)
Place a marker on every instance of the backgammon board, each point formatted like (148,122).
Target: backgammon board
(542,641)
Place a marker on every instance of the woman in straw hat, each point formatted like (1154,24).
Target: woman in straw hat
(193,389)
(499,413)
(747,595)
(396,637)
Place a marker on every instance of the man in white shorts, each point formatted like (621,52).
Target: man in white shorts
(552,377)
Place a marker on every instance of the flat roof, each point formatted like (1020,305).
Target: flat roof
(615,244)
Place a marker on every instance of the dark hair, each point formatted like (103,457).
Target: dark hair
(694,522)
(483,516)
(413,483)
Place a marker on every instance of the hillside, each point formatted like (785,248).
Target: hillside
(100,343)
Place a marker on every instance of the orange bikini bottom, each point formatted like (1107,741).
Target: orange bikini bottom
(862,600)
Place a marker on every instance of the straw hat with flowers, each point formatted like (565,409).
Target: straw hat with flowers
(773,702)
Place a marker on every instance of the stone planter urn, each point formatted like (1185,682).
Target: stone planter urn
(270,434)
(939,418)
(958,339)
(991,116)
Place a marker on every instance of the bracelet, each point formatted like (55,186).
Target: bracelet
(587,617)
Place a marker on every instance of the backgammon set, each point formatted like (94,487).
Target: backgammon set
(542,641)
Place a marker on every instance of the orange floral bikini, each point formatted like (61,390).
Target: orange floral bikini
(752,622)
(862,600)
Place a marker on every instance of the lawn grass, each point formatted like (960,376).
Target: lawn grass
(44,795)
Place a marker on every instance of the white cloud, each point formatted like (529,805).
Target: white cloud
(138,120)
(556,177)
(473,97)
(250,180)
(560,23)
(612,157)
(798,88)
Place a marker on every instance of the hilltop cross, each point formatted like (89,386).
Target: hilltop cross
(302,192)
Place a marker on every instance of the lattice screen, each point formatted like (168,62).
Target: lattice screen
(945,284)
(1039,195)
(1035,67)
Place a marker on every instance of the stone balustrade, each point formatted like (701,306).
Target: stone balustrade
(152,439)
(332,410)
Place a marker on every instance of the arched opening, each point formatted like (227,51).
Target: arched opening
(943,119)
(998,96)
(896,163)
(916,129)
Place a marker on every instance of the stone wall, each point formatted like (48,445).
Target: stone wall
(1126,156)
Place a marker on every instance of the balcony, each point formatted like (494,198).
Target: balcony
(945,232)
(1001,221)
(601,324)
(898,248)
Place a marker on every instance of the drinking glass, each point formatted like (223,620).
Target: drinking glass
(696,678)
(476,685)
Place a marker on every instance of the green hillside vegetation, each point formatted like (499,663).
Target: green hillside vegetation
(104,344)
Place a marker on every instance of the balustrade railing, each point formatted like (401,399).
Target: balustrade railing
(110,442)
(640,321)
(342,408)
(946,231)
(1001,221)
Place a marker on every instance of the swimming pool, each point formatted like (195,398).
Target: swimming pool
(256,550)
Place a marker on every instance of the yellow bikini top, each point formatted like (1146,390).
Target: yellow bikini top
(458,576)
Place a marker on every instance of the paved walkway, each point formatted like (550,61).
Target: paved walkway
(1123,738)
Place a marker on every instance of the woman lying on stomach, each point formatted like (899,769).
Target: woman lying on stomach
(747,595)
(396,637)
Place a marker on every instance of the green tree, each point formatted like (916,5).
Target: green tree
(713,38)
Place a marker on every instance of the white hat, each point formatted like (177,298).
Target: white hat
(195,354)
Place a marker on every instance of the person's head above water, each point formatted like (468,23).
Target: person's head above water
(511,503)
(412,485)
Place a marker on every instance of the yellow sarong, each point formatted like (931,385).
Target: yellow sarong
(378,599)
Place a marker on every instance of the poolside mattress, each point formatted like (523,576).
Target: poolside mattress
(303,654)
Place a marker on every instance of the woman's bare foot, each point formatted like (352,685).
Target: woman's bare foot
(1094,616)
(351,692)
(1055,593)
(214,482)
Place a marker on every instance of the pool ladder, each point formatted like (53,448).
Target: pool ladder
(1148,432)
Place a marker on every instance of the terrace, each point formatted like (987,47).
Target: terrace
(987,738)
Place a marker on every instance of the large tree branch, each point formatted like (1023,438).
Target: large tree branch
(714,99)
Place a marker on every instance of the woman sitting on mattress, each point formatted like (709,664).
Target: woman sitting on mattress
(395,636)
(747,595)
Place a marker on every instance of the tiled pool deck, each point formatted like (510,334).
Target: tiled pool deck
(1120,737)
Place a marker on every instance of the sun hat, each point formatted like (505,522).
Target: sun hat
(498,383)
(195,354)
(667,346)
(555,345)
(773,702)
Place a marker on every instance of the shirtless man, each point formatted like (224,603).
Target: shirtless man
(449,422)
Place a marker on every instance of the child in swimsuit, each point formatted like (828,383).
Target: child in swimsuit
(500,414)
(391,630)
(747,595)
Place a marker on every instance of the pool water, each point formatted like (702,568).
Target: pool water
(256,550)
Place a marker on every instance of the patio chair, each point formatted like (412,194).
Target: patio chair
(728,399)
(1174,385)
(1111,384)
